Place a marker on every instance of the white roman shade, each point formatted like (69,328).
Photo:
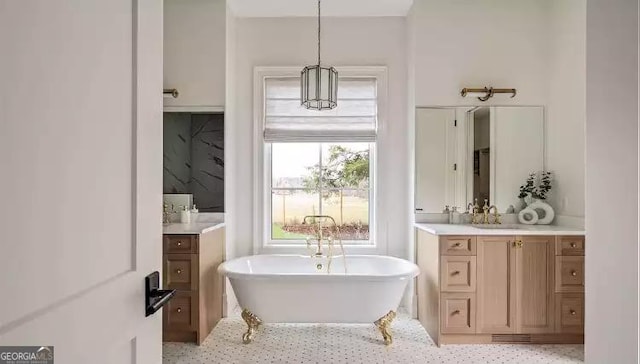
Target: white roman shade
(354,119)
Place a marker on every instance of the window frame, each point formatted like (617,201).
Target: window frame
(262,242)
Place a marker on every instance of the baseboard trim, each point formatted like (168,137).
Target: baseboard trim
(511,339)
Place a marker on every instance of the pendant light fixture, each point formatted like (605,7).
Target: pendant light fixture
(319,84)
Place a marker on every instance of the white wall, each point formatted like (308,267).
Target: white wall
(566,110)
(475,43)
(346,42)
(194,51)
(612,182)
(230,153)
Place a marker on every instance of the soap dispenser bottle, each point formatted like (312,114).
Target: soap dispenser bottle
(185,215)
(447,211)
(455,215)
(194,213)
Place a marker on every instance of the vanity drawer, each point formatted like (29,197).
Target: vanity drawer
(458,245)
(569,312)
(180,244)
(457,313)
(570,245)
(569,274)
(180,312)
(458,273)
(180,271)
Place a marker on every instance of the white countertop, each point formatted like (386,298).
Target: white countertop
(510,229)
(191,229)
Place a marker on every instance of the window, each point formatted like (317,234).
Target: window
(319,163)
(320,179)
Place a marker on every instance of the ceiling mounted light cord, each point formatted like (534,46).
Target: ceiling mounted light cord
(318,84)
(319,33)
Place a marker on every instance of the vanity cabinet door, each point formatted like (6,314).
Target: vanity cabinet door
(180,244)
(458,245)
(457,313)
(569,274)
(495,282)
(180,312)
(181,271)
(457,274)
(570,245)
(570,312)
(535,258)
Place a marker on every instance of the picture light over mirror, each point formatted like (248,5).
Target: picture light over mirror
(484,94)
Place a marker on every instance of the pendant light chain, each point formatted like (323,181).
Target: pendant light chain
(318,32)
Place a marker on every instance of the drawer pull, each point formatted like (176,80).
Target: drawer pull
(178,310)
(574,273)
(179,243)
(455,272)
(456,312)
(572,312)
(573,245)
(179,271)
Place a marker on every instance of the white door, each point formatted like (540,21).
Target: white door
(80,176)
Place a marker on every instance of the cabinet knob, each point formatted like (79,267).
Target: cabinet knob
(179,243)
(179,271)
(178,310)
(572,312)
(457,245)
(456,312)
(574,273)
(573,245)
(455,272)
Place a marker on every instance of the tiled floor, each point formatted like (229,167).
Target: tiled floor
(352,344)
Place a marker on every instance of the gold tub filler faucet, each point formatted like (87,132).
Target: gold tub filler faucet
(326,230)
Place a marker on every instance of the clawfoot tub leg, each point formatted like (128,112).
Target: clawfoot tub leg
(383,324)
(252,322)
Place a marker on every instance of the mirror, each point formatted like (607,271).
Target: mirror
(464,153)
(193,157)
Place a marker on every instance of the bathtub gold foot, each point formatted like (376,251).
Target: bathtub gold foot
(252,322)
(383,324)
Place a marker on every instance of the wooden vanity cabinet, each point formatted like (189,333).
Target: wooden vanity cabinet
(487,289)
(569,286)
(190,264)
(535,260)
(496,285)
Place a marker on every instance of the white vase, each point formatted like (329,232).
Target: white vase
(543,210)
(528,216)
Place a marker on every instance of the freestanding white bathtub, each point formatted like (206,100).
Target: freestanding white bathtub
(298,289)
